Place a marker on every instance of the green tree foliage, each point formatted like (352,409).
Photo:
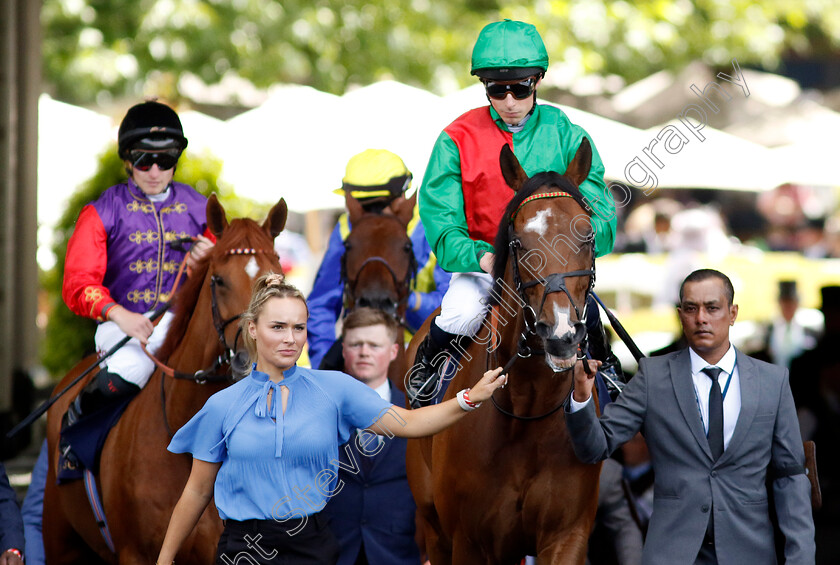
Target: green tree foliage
(635,39)
(68,338)
(94,49)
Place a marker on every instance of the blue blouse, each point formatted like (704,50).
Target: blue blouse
(278,465)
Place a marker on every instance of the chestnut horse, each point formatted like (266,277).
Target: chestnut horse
(139,480)
(504,482)
(378,265)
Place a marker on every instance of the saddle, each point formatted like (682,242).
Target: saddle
(86,438)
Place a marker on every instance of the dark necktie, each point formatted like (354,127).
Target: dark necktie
(715,412)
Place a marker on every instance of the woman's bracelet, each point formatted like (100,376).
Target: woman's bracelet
(15,551)
(464,402)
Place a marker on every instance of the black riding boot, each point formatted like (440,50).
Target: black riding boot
(599,348)
(422,384)
(104,388)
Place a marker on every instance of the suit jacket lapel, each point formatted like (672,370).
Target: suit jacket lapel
(750,393)
(680,367)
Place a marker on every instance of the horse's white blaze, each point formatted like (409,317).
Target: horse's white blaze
(562,321)
(252,268)
(539,223)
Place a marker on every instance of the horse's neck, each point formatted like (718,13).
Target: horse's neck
(197,350)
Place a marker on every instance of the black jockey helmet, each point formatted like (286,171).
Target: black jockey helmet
(152,126)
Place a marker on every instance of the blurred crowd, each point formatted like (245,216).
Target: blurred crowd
(789,218)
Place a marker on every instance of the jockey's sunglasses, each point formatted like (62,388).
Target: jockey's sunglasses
(164,159)
(520,90)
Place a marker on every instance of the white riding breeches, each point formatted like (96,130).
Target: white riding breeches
(464,305)
(129,361)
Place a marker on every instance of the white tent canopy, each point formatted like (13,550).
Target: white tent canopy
(297,144)
(808,163)
(70,138)
(282,148)
(203,132)
(718,160)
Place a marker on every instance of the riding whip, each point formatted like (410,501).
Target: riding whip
(619,329)
(50,401)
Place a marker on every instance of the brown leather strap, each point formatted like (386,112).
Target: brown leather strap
(811,472)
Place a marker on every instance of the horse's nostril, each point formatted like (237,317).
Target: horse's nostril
(387,305)
(543,330)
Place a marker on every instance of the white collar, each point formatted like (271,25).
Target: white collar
(727,362)
(384,390)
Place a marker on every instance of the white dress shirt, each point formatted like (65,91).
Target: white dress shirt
(384,390)
(702,387)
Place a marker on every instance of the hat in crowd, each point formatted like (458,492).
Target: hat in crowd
(375,173)
(787,289)
(830,298)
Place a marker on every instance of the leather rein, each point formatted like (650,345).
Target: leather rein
(404,284)
(210,374)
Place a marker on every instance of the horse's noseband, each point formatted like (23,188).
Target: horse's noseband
(403,286)
(220,324)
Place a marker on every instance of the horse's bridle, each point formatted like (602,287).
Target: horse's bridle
(211,374)
(554,282)
(392,307)
(220,324)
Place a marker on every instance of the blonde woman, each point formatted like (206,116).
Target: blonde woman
(266,448)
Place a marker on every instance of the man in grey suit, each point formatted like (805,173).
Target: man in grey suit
(717,423)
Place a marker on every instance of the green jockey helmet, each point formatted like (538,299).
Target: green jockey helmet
(509,50)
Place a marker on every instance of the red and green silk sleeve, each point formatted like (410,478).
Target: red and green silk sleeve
(442,211)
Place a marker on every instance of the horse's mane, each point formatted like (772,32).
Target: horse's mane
(501,245)
(239,233)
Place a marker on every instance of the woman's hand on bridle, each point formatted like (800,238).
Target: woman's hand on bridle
(483,389)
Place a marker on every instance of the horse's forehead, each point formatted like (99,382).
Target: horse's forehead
(381,223)
(252,268)
(538,223)
(385,233)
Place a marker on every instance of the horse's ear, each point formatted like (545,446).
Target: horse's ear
(578,169)
(216,217)
(514,175)
(276,220)
(404,207)
(354,209)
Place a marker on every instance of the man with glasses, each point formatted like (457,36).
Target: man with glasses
(120,263)
(464,194)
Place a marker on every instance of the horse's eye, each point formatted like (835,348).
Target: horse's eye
(407,247)
(217,280)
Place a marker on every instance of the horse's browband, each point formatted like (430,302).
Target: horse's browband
(248,251)
(537,197)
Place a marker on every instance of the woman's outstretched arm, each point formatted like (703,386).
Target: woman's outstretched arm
(432,419)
